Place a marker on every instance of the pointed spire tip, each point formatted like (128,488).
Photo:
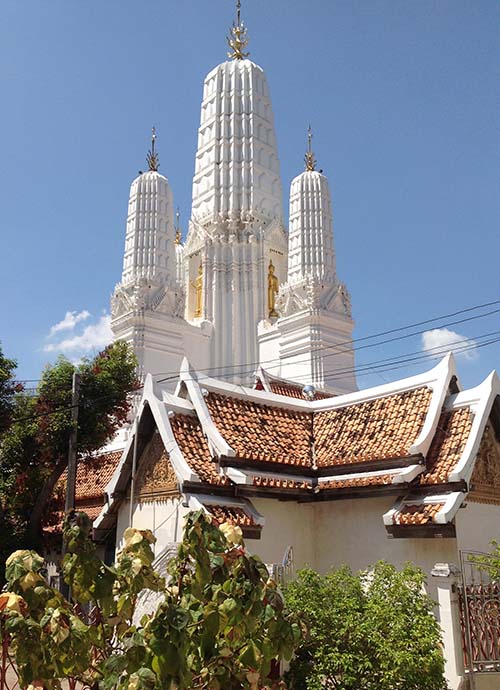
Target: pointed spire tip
(309,158)
(152,158)
(238,39)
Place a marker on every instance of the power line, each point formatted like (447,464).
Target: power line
(391,365)
(174,374)
(248,368)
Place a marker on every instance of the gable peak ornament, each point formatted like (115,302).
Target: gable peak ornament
(309,158)
(238,40)
(153,160)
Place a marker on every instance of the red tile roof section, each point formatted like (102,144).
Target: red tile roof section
(378,429)
(194,447)
(231,514)
(278,483)
(261,432)
(447,446)
(94,475)
(295,391)
(379,480)
(415,514)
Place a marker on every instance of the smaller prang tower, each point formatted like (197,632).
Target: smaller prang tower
(147,306)
(311,340)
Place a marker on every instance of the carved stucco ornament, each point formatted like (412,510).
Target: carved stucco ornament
(485,481)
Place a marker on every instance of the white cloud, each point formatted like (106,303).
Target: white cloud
(94,337)
(442,340)
(69,322)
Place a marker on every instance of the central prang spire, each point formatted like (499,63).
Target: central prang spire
(238,40)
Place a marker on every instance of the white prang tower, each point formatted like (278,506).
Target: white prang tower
(236,235)
(147,306)
(310,342)
(239,293)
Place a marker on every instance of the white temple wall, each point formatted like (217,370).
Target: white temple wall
(287,524)
(477,524)
(310,348)
(160,343)
(165,518)
(352,532)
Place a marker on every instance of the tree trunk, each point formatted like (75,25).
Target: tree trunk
(35,523)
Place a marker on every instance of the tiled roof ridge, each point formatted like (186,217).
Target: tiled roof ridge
(291,389)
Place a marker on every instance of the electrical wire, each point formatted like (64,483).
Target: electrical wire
(379,366)
(235,367)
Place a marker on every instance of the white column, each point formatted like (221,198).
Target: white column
(447,578)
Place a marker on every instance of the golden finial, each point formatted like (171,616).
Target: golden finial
(178,236)
(152,158)
(238,40)
(309,158)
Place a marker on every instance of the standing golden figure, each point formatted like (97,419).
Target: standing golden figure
(272,290)
(198,286)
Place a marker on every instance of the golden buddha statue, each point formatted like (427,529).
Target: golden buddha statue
(198,286)
(272,290)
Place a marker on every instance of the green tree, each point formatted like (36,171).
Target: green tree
(8,388)
(369,631)
(34,444)
(490,562)
(220,624)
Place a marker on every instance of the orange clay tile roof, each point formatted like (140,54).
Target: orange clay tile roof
(414,514)
(261,432)
(93,475)
(57,518)
(277,483)
(92,511)
(374,430)
(380,480)
(231,514)
(194,447)
(447,445)
(295,391)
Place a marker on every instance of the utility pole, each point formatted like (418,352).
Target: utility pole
(71,478)
(71,472)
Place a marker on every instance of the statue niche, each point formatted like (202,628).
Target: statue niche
(198,288)
(272,291)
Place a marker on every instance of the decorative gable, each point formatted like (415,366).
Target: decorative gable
(155,477)
(485,480)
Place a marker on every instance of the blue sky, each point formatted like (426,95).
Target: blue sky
(404,100)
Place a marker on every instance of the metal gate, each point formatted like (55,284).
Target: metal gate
(479,599)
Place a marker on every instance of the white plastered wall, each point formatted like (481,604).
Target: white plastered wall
(477,524)
(329,534)
(286,524)
(165,518)
(352,532)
